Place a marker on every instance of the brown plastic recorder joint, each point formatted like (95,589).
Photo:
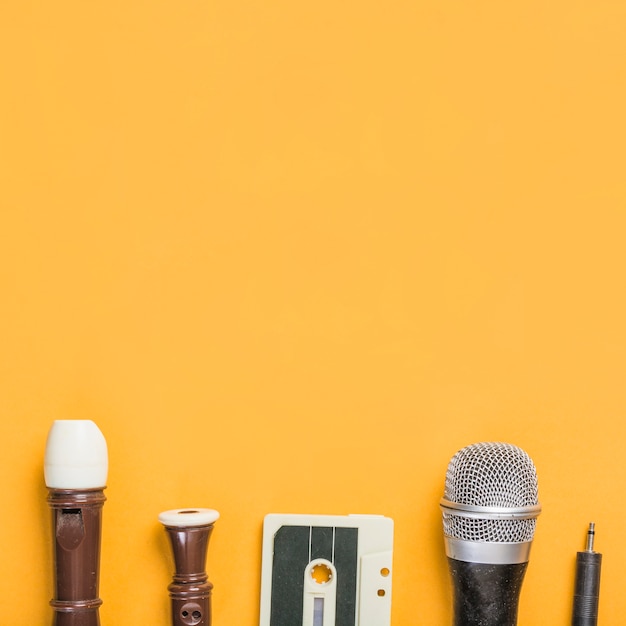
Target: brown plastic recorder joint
(189,531)
(76,527)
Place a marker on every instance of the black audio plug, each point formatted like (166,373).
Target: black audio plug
(587,585)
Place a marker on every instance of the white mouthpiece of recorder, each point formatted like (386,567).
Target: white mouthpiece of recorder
(185,518)
(76,456)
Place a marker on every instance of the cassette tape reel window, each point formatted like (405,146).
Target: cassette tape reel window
(324,570)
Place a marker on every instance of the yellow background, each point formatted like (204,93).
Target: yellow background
(290,256)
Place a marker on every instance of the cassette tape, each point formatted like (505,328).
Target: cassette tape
(325,570)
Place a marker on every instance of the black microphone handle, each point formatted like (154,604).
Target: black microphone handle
(486,594)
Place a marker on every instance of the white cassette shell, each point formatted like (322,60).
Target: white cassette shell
(374,557)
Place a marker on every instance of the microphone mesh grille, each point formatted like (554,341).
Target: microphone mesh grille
(491,474)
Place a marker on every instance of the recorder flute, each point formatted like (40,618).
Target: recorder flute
(75,468)
(189,531)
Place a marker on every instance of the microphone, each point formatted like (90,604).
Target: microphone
(75,469)
(490,506)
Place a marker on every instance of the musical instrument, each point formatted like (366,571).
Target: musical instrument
(75,468)
(189,531)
